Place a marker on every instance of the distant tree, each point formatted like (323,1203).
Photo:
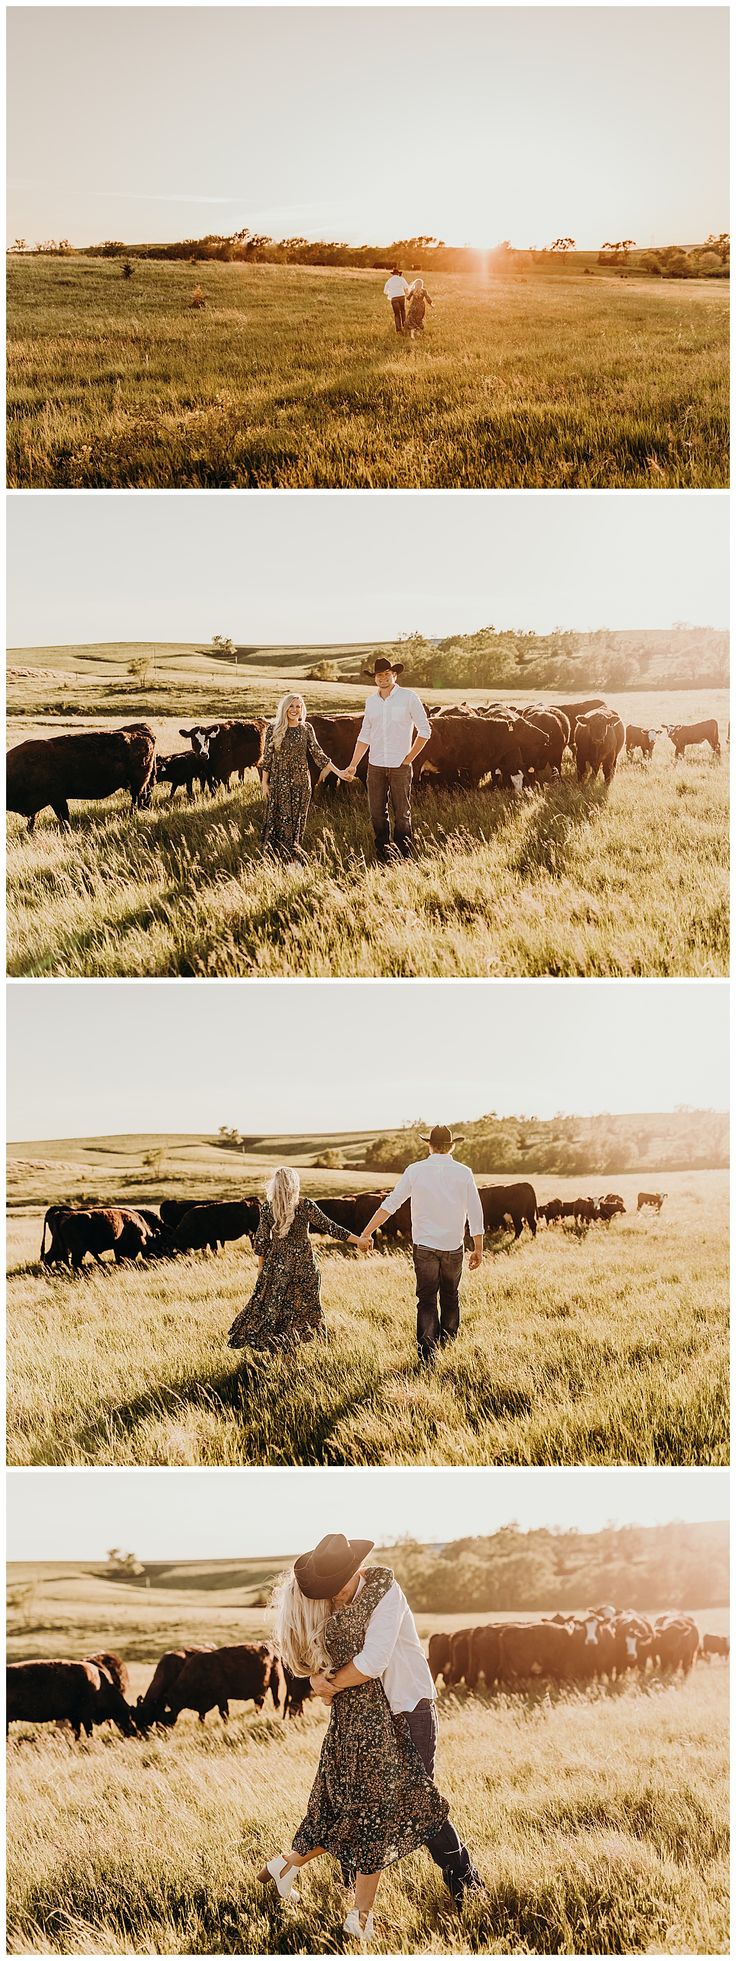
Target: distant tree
(222,644)
(562,245)
(325,670)
(154,1161)
(330,1161)
(141,670)
(124,1565)
(18,245)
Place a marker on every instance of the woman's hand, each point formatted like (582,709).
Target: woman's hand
(325,772)
(353,1240)
(264,788)
(322,1687)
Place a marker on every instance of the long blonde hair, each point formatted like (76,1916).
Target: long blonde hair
(282,1192)
(280,724)
(299,1627)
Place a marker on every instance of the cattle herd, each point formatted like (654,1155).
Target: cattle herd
(508,747)
(198,1225)
(501,1656)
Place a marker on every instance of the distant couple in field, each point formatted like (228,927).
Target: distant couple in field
(408,302)
(374,1800)
(394,730)
(285,1307)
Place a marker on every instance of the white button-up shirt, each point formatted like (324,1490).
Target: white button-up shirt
(393,1651)
(396,286)
(388,726)
(443,1195)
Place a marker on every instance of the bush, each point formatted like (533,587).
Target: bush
(325,670)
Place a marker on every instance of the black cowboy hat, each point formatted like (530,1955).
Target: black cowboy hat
(383,666)
(320,1574)
(441,1139)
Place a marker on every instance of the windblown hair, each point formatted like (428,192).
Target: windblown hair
(280,723)
(282,1192)
(299,1627)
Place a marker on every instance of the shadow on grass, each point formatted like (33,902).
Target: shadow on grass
(563,809)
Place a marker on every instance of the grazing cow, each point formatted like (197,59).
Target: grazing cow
(530,1649)
(229,748)
(155,1705)
(675,1642)
(77,1692)
(687,736)
(79,766)
(503,1202)
(212,1225)
(643,739)
(598,739)
(98,1230)
(181,771)
(715,1644)
(585,1210)
(438,1655)
(456,1669)
(51,1219)
(485,1655)
(610,1206)
(574,709)
(243,1673)
(655,1200)
(557,730)
(115,1667)
(298,1691)
(551,1212)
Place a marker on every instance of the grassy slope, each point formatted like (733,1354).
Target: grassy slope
(599,1821)
(601,1348)
(293,377)
(574,881)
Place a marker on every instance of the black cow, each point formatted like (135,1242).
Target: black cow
(89,766)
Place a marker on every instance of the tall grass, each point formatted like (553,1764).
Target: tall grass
(571,881)
(293,376)
(599,1824)
(602,1347)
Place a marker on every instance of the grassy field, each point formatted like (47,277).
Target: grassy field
(630,881)
(293,376)
(599,1821)
(609,1346)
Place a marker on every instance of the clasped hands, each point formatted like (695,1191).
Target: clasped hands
(322,1687)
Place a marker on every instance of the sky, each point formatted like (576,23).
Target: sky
(314,1056)
(298,570)
(228,1514)
(369,123)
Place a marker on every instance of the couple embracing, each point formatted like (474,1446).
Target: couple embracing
(285,1306)
(394,730)
(374,1799)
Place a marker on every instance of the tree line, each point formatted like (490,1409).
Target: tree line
(605,660)
(567,1146)
(425,253)
(539,1571)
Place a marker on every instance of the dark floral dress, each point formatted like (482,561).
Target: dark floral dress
(285,1307)
(416,309)
(289,787)
(372,1801)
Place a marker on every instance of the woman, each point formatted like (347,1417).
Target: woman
(418,301)
(372,1801)
(285,1306)
(285,778)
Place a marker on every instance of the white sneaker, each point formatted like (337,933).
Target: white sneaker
(353,1925)
(283,1880)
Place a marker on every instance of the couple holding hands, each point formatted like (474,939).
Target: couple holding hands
(394,730)
(285,1306)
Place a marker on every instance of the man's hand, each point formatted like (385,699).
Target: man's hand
(322,1687)
(365,1242)
(476,1259)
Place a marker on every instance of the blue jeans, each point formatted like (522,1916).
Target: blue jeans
(447,1850)
(437,1273)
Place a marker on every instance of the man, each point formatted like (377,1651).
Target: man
(443,1195)
(392,1652)
(396,289)
(392,716)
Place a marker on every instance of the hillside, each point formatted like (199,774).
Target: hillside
(41,1171)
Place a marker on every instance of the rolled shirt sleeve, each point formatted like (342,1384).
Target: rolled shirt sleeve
(400,1192)
(422,722)
(381,1634)
(366,731)
(475,1208)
